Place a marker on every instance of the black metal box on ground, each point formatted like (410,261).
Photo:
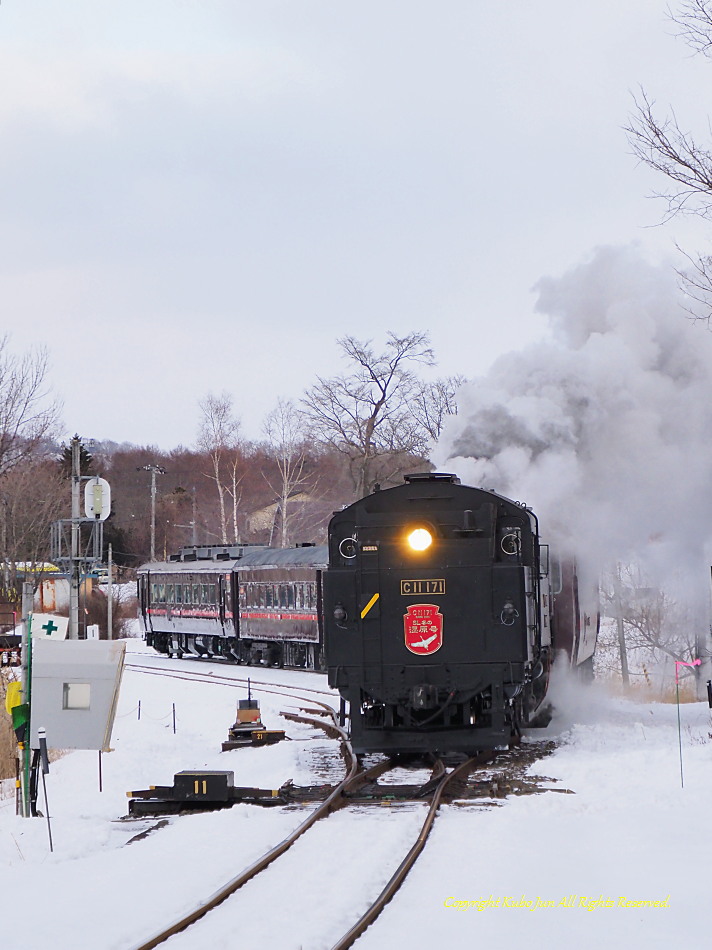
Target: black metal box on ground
(267,736)
(205,785)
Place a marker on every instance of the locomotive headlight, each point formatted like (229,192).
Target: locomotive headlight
(420,539)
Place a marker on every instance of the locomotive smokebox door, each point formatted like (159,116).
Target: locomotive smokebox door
(203,786)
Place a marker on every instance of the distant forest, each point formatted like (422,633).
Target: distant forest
(349,433)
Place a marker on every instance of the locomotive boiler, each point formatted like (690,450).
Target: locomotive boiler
(442,614)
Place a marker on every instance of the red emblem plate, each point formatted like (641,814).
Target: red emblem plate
(423,626)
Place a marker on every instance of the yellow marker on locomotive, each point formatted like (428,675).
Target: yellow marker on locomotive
(368,606)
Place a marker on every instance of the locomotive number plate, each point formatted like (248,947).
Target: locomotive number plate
(409,588)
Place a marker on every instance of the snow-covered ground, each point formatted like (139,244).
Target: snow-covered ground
(629,833)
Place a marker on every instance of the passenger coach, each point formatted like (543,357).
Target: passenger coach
(247,604)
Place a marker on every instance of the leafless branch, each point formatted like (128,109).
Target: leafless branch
(694,22)
(27,417)
(374,412)
(218,433)
(663,146)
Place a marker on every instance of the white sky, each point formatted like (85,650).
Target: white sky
(200,195)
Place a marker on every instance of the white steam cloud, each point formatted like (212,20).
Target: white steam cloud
(606,431)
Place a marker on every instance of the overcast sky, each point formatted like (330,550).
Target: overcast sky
(202,195)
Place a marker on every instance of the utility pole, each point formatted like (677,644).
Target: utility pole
(3,544)
(75,581)
(110,596)
(621,629)
(154,470)
(26,680)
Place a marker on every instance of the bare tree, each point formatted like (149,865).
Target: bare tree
(663,145)
(218,436)
(434,402)
(235,493)
(374,413)
(651,625)
(32,496)
(27,419)
(285,436)
(694,22)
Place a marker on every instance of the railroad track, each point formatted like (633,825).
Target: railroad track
(357,786)
(433,792)
(209,676)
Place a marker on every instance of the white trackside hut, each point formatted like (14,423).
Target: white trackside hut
(75,689)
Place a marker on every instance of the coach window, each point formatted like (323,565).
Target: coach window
(170,593)
(154,593)
(161,593)
(290,595)
(186,594)
(179,593)
(213,598)
(196,593)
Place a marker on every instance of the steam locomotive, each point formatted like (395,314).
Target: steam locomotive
(442,614)
(435,609)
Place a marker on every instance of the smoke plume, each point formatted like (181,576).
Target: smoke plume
(604,430)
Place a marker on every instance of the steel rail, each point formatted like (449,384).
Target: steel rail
(208,678)
(139,667)
(353,779)
(407,863)
(335,800)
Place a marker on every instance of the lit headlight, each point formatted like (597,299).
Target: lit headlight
(420,539)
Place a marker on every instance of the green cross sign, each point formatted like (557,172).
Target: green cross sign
(50,627)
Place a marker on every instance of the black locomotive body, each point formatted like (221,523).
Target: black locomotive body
(442,617)
(252,605)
